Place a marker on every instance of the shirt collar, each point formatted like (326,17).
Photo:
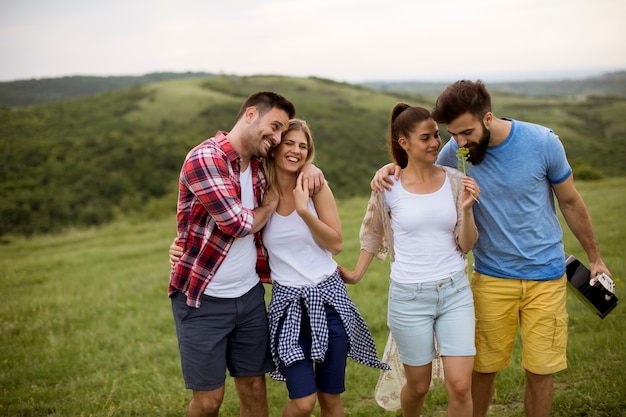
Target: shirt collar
(227,147)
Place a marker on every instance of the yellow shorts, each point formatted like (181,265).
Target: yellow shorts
(539,308)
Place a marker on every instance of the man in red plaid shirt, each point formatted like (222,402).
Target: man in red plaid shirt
(216,287)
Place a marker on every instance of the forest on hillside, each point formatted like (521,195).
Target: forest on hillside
(46,90)
(86,161)
(612,83)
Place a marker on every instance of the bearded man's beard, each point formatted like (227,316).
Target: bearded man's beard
(477,151)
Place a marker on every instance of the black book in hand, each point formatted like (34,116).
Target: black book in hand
(597,294)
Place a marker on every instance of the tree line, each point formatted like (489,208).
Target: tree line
(85,161)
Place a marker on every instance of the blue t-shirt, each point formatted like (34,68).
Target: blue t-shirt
(519,232)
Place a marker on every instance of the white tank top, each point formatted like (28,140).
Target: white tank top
(237,274)
(423,234)
(296,260)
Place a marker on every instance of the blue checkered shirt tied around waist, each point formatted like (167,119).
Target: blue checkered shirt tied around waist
(286,302)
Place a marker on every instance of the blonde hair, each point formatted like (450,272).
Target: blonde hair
(269,162)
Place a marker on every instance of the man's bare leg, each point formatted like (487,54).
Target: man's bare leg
(538,395)
(206,403)
(483,387)
(252,396)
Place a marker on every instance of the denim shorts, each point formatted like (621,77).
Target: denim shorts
(420,311)
(222,333)
(305,377)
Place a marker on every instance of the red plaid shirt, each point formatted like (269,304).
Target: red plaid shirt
(210,215)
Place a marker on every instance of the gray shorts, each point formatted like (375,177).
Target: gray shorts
(222,333)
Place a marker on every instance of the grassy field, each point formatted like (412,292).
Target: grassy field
(86,326)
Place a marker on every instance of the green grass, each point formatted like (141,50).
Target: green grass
(176,101)
(86,326)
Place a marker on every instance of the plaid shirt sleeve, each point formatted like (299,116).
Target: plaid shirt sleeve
(208,177)
(210,216)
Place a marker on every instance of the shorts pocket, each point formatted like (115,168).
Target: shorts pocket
(560,332)
(401,292)
(180,307)
(475,278)
(461,283)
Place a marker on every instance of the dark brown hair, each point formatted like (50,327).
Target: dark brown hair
(264,101)
(460,98)
(404,118)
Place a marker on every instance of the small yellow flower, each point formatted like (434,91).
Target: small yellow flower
(462,155)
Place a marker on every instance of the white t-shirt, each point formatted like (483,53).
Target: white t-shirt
(296,260)
(423,234)
(237,274)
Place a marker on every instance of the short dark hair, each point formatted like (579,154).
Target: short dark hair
(462,97)
(264,101)
(404,118)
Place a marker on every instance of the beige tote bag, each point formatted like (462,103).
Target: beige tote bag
(390,382)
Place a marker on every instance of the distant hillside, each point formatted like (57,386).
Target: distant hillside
(91,159)
(607,84)
(38,91)
(46,90)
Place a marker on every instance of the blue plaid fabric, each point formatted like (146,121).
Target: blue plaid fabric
(332,291)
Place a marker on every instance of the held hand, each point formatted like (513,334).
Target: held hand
(381,181)
(175,252)
(314,176)
(349,277)
(596,268)
(471,191)
(301,194)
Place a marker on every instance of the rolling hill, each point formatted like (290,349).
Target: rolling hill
(87,160)
(46,90)
(613,83)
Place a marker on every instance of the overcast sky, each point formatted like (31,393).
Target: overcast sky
(344,40)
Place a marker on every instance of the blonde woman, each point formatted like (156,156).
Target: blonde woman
(314,326)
